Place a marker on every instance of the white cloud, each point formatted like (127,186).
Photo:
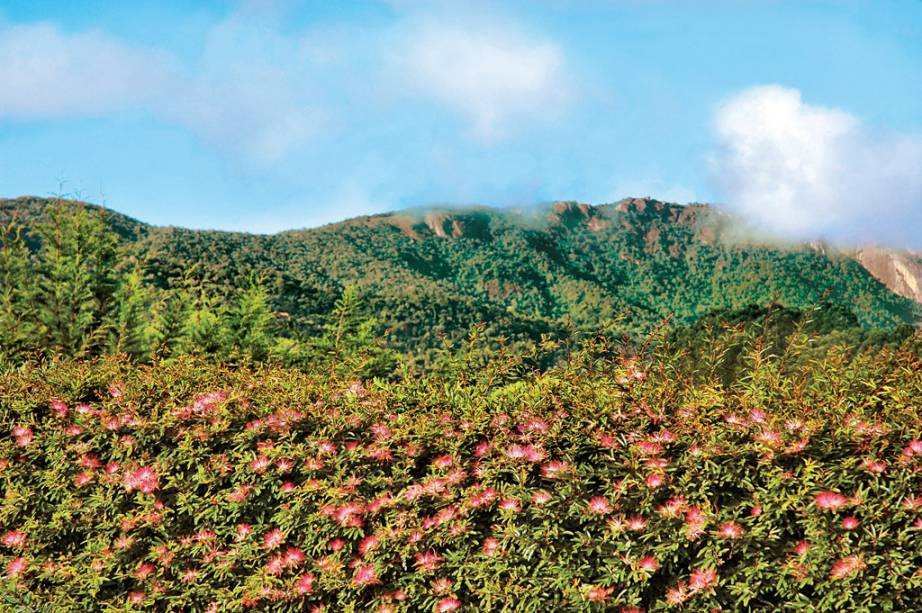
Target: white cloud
(47,73)
(246,94)
(494,76)
(810,171)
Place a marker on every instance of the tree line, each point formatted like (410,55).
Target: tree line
(69,289)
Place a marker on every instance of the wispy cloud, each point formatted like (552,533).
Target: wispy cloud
(809,171)
(490,72)
(246,94)
(47,73)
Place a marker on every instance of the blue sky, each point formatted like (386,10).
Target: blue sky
(803,116)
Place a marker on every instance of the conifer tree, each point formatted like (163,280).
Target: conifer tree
(205,330)
(129,323)
(17,281)
(350,345)
(76,279)
(170,322)
(250,320)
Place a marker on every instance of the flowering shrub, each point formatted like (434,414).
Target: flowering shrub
(600,485)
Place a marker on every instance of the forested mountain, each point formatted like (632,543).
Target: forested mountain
(432,273)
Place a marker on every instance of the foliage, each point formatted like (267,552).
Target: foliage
(605,483)
(77,292)
(431,275)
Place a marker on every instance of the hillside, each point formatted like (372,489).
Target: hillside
(428,273)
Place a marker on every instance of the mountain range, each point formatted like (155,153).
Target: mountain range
(429,273)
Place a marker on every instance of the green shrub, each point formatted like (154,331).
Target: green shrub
(606,483)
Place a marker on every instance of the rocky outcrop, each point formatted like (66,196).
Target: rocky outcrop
(900,271)
(459,225)
(571,214)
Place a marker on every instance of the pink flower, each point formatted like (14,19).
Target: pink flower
(554,468)
(143,479)
(648,564)
(874,466)
(16,567)
(912,502)
(598,506)
(755,511)
(802,547)
(672,507)
(59,408)
(694,523)
(529,453)
(636,523)
(442,585)
(365,575)
(144,569)
(276,565)
(850,523)
(260,464)
(429,560)
(730,530)
(243,531)
(541,497)
(655,480)
(448,604)
(510,504)
(23,435)
(240,494)
(336,544)
(490,545)
(273,538)
(293,556)
(14,538)
(702,579)
(83,478)
(367,544)
(913,448)
(136,597)
(443,461)
(830,501)
(846,566)
(305,584)
(598,594)
(606,440)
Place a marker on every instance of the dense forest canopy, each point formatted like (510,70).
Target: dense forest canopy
(417,278)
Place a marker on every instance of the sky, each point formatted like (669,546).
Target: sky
(804,117)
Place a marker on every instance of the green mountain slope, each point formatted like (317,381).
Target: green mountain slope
(432,272)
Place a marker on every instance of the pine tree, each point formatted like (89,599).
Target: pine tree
(350,345)
(76,279)
(128,323)
(250,321)
(170,321)
(17,281)
(205,330)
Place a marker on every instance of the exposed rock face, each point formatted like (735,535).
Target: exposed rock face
(573,213)
(459,225)
(901,271)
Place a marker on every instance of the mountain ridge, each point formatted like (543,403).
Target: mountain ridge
(432,273)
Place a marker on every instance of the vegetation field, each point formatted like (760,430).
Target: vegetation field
(189,447)
(607,482)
